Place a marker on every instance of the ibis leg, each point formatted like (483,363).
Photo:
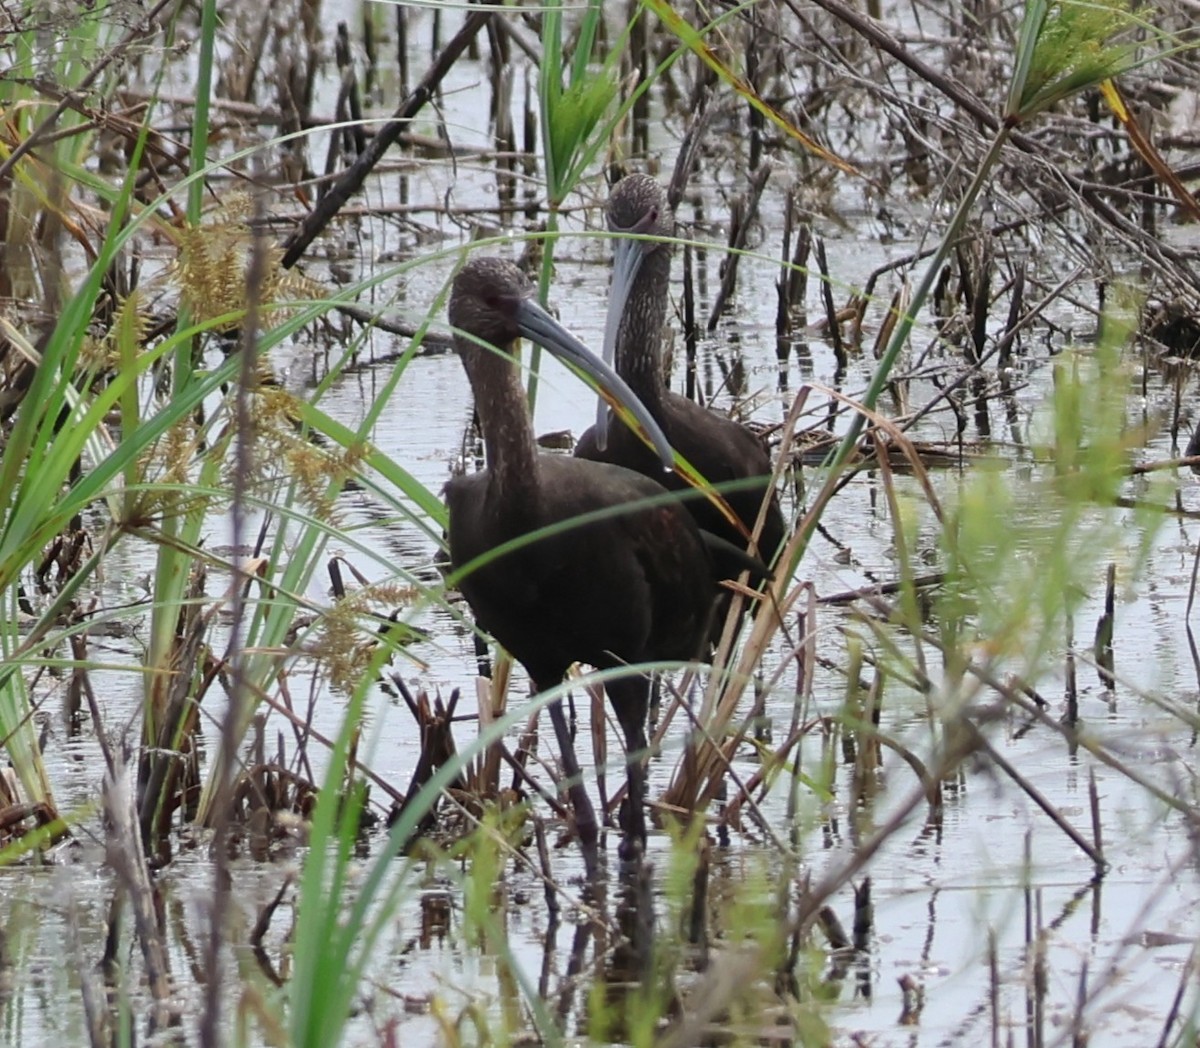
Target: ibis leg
(585,814)
(630,699)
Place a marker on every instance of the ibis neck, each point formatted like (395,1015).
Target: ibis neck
(503,414)
(639,337)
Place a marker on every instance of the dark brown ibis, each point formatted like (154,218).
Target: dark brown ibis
(721,449)
(635,586)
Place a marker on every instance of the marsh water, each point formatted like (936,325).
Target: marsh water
(964,910)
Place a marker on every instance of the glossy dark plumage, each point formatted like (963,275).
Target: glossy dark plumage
(721,449)
(630,588)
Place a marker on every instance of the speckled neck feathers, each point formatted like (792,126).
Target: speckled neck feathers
(639,338)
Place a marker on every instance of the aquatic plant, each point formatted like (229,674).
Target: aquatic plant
(142,423)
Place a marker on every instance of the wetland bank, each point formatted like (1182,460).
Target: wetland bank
(938,788)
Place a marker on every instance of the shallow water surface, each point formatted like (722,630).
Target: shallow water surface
(973,911)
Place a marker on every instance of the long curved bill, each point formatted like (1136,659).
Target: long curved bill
(627,260)
(535,323)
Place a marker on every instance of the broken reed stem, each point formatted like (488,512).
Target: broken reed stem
(833,328)
(798,296)
(1013,325)
(783,306)
(690,336)
(689,149)
(831,926)
(1105,629)
(744,212)
(1071,688)
(353,137)
(864,915)
(1038,982)
(994,985)
(1094,803)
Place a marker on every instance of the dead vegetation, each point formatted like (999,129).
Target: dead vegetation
(345,163)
